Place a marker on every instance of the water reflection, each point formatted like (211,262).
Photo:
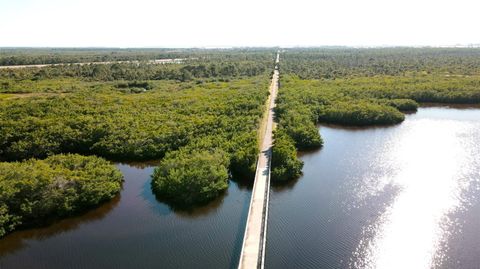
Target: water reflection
(200,210)
(243,183)
(18,240)
(430,159)
(392,197)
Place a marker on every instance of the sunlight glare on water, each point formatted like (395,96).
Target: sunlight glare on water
(430,163)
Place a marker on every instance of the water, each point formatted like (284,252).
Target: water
(405,196)
(136,231)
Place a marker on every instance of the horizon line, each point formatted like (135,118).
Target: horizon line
(473,45)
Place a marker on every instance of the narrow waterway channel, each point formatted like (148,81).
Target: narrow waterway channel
(405,196)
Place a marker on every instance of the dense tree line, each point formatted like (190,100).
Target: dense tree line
(144,126)
(285,164)
(359,113)
(137,71)
(33,56)
(434,88)
(33,192)
(337,62)
(16,56)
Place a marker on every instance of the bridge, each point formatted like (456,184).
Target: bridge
(253,249)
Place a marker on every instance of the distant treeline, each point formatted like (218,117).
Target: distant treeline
(316,63)
(142,71)
(32,56)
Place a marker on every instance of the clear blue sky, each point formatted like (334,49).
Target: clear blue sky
(217,23)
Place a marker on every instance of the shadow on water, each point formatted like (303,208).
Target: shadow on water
(357,128)
(165,207)
(456,106)
(279,186)
(243,182)
(206,209)
(240,232)
(16,240)
(309,152)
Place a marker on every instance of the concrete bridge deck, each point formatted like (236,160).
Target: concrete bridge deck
(253,249)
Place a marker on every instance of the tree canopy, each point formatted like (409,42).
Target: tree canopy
(36,191)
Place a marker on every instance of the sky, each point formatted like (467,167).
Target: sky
(238,23)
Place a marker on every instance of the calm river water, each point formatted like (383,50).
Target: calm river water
(405,196)
(136,231)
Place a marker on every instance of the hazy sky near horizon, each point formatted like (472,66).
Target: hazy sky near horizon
(224,23)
